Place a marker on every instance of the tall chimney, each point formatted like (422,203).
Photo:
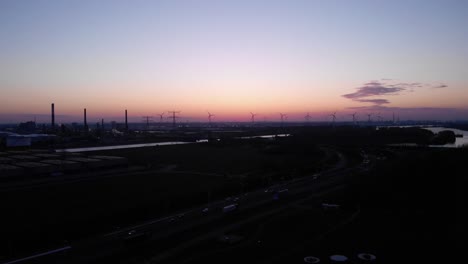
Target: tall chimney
(102,123)
(126,120)
(52,109)
(85,122)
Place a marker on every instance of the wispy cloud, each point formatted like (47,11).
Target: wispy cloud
(380,108)
(374,101)
(385,87)
(372,89)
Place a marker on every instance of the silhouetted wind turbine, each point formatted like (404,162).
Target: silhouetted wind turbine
(161,116)
(354,117)
(307,117)
(369,117)
(283,116)
(252,117)
(333,118)
(209,117)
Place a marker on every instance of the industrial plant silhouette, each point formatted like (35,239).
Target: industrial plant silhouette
(159,192)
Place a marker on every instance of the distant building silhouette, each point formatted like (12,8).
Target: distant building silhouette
(27,127)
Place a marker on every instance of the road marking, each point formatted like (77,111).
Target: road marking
(39,255)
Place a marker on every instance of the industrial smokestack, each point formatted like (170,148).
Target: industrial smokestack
(52,109)
(85,122)
(102,123)
(126,120)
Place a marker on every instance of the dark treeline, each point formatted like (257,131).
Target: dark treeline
(347,135)
(461,126)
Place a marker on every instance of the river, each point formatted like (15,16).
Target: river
(459,141)
(88,149)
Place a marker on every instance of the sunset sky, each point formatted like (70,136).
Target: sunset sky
(233,57)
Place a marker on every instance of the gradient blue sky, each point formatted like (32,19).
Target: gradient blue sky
(233,57)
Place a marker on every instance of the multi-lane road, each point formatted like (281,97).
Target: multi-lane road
(171,235)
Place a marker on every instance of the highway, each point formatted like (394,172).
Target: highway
(175,233)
